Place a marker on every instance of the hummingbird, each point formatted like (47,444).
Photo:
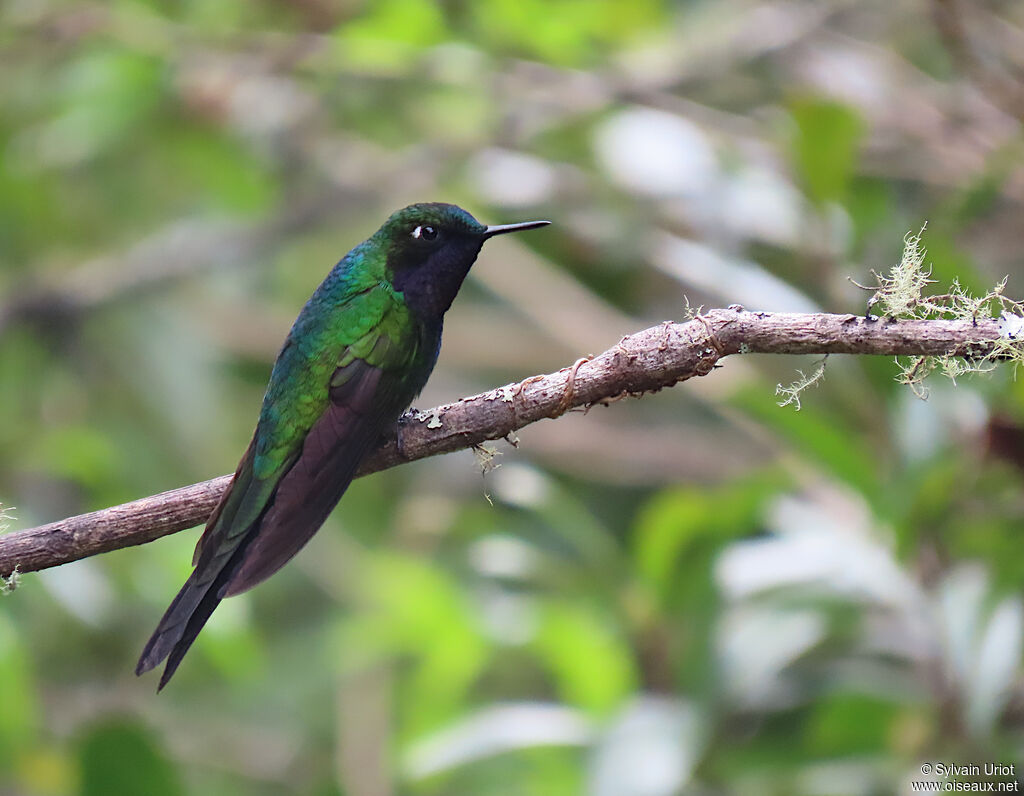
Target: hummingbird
(359,352)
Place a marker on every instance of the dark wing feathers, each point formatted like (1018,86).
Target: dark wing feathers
(260,524)
(309,491)
(230,501)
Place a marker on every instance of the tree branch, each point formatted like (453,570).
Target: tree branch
(640,363)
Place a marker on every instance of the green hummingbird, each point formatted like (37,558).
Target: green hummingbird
(358,354)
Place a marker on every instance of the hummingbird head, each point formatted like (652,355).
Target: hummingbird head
(430,249)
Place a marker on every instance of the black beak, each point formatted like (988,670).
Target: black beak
(501,229)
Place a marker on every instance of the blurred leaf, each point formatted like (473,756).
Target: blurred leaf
(545,771)
(417,610)
(847,724)
(980,198)
(674,518)
(591,663)
(220,172)
(493,731)
(981,536)
(28,209)
(19,717)
(825,438)
(948,261)
(79,453)
(119,756)
(825,146)
(925,501)
(25,364)
(573,524)
(871,205)
(46,771)
(996,666)
(650,749)
(452,114)
(105,93)
(569,32)
(231,644)
(218,16)
(391,33)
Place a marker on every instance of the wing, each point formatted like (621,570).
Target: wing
(362,398)
(264,519)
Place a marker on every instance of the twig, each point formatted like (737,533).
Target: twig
(640,363)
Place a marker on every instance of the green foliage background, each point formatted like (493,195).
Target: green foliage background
(698,592)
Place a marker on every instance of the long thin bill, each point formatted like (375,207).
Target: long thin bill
(501,229)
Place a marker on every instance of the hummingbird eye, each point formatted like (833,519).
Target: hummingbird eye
(424,233)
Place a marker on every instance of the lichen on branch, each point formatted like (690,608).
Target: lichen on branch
(900,294)
(791,395)
(10,582)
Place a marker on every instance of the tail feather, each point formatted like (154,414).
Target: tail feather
(185,635)
(167,634)
(188,613)
(230,529)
